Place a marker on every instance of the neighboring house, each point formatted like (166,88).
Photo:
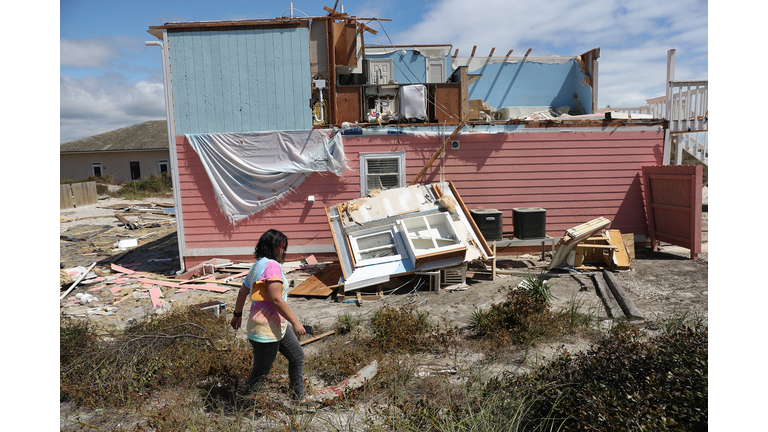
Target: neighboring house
(130,153)
(234,84)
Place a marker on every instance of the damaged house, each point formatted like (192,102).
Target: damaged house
(275,123)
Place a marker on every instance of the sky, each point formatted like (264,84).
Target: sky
(109,79)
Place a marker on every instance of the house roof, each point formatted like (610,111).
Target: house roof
(150,135)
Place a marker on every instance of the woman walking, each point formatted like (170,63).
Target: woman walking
(270,316)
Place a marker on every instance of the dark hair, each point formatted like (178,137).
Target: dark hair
(268,244)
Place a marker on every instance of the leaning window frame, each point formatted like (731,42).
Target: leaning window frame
(402,251)
(363,160)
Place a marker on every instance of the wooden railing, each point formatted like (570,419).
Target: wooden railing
(689,102)
(689,106)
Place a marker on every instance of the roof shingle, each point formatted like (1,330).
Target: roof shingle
(150,135)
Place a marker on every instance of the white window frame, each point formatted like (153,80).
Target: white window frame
(130,171)
(356,251)
(97,164)
(162,162)
(363,159)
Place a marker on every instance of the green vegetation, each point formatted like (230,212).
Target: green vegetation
(182,371)
(154,186)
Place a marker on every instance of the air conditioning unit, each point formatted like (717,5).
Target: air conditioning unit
(489,222)
(529,222)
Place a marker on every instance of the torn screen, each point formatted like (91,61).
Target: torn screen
(252,171)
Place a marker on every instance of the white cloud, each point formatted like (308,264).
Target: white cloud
(633,36)
(93,105)
(87,53)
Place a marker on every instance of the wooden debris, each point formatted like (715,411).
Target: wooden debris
(621,260)
(318,337)
(357,380)
(627,305)
(320,284)
(611,306)
(82,275)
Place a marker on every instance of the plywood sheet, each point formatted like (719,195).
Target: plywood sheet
(321,284)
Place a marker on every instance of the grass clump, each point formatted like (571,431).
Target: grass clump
(523,317)
(154,186)
(401,329)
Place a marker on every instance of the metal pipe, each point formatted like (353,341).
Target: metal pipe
(171,145)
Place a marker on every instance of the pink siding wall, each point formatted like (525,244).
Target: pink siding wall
(575,175)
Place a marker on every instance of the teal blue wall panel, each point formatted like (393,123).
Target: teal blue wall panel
(244,80)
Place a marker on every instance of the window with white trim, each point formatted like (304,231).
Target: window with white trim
(375,246)
(96,169)
(162,166)
(381,171)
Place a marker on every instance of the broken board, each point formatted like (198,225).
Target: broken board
(321,284)
(621,258)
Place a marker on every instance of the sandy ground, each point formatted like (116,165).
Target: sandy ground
(663,283)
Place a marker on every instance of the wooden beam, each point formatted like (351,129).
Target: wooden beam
(509,53)
(318,337)
(528,52)
(440,150)
(471,221)
(473,51)
(455,53)
(491,53)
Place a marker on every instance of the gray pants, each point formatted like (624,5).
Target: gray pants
(264,355)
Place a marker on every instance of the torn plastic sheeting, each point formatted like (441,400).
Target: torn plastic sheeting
(252,171)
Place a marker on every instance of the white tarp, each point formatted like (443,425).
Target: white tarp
(252,171)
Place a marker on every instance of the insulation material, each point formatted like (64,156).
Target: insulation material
(252,171)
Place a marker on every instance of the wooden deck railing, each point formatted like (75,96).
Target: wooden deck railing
(689,102)
(689,106)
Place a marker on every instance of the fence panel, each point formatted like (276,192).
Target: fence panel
(673,203)
(84,193)
(65,197)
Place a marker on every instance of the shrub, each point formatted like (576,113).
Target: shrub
(156,185)
(521,318)
(623,383)
(187,346)
(401,329)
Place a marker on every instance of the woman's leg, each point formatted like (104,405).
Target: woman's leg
(291,349)
(264,355)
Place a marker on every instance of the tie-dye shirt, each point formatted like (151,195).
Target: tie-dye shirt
(265,324)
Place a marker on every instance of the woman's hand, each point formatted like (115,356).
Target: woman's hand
(236,322)
(298,328)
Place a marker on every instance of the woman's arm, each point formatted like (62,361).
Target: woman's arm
(242,295)
(275,291)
